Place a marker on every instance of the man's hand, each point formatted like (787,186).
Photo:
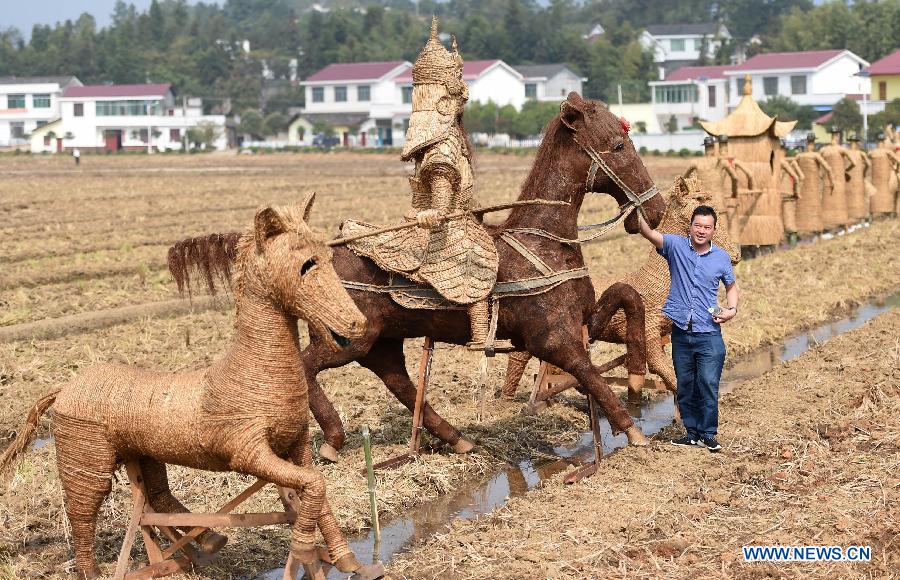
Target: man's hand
(652,235)
(429,218)
(724,316)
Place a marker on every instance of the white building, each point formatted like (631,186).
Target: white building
(360,101)
(27,103)
(549,82)
(369,104)
(124,117)
(677,45)
(818,78)
(691,93)
(488,80)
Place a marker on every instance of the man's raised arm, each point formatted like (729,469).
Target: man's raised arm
(654,236)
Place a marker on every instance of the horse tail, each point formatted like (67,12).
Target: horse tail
(26,433)
(211,256)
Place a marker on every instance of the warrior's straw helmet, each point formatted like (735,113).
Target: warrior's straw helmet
(439,93)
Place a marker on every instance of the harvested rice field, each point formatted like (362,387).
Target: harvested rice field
(85,256)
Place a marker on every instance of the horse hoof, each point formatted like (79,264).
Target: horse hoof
(211,542)
(306,554)
(636,438)
(464,445)
(347,563)
(328,453)
(369,572)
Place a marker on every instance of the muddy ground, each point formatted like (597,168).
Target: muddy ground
(783,293)
(811,455)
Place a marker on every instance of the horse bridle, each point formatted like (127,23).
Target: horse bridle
(635,200)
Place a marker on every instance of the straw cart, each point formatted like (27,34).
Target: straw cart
(754,139)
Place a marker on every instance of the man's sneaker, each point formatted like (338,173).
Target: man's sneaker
(685,441)
(710,443)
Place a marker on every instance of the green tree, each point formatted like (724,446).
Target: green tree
(671,125)
(789,110)
(846,116)
(251,123)
(203,136)
(273,124)
(889,116)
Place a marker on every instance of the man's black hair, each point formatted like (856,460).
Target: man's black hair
(705,210)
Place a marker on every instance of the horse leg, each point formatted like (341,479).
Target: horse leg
(159,495)
(515,368)
(258,459)
(386,360)
(86,461)
(317,357)
(574,359)
(622,296)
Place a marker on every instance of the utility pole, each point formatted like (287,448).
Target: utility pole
(183,124)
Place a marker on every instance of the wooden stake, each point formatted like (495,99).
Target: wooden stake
(370,476)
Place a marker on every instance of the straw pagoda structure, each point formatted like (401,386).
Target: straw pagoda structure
(754,139)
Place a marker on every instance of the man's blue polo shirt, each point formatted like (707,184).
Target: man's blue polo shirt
(695,282)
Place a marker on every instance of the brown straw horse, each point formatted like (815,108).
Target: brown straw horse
(547,324)
(247,413)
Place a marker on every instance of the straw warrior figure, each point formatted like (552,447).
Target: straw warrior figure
(246,413)
(711,171)
(859,190)
(652,282)
(808,210)
(834,203)
(885,171)
(458,257)
(791,169)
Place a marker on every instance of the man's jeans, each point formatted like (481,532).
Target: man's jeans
(698,359)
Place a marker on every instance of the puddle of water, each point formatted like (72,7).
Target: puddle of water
(481,497)
(41,442)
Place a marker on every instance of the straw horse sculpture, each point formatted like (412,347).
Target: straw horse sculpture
(652,282)
(546,322)
(247,413)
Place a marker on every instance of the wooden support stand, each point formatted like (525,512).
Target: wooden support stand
(418,412)
(163,560)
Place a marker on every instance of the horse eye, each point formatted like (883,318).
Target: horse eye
(619,146)
(307,266)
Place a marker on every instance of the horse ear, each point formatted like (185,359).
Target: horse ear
(268,223)
(571,115)
(306,205)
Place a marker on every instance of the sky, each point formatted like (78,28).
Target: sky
(23,14)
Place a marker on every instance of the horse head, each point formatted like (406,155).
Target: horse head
(283,259)
(609,159)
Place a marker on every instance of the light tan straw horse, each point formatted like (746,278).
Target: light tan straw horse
(247,413)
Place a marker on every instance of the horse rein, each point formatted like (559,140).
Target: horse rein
(635,200)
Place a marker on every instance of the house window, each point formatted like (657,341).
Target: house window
(363,93)
(770,86)
(798,85)
(41,101)
(711,96)
(318,94)
(882,90)
(676,94)
(174,135)
(15,101)
(677,44)
(407,95)
(47,139)
(530,91)
(127,108)
(17,130)
(340,94)
(78,110)
(40,124)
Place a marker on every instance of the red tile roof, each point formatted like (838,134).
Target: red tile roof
(695,72)
(118,90)
(472,69)
(889,65)
(824,118)
(355,71)
(784,60)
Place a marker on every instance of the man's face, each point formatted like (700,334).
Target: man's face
(702,229)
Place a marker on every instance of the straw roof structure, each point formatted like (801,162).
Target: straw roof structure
(748,120)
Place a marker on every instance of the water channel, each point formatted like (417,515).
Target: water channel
(482,496)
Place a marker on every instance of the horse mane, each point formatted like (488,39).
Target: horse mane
(212,256)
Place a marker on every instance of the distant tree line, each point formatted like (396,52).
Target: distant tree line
(199,47)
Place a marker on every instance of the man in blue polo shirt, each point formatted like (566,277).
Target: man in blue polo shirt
(696,268)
